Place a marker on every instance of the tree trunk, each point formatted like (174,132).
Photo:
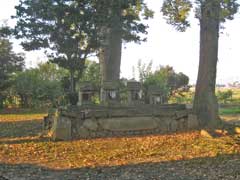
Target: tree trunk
(110,57)
(205,101)
(72,83)
(1,101)
(111,47)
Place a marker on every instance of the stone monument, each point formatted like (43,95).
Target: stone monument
(86,93)
(134,92)
(155,95)
(110,93)
(111,118)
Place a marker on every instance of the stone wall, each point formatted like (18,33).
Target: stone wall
(93,122)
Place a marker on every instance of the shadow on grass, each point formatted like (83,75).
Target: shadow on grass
(15,129)
(209,168)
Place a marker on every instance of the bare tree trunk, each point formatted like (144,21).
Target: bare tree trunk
(110,57)
(110,53)
(205,101)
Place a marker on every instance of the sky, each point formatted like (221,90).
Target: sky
(165,46)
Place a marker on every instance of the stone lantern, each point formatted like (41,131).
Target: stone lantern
(134,92)
(155,95)
(86,93)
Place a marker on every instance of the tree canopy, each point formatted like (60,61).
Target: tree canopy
(40,86)
(165,78)
(66,28)
(72,30)
(10,62)
(177,12)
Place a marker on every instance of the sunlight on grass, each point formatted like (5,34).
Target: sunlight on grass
(20,117)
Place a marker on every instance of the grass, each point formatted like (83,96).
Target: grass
(20,144)
(230,111)
(20,117)
(188,96)
(22,111)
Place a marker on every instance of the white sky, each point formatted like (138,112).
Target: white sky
(165,46)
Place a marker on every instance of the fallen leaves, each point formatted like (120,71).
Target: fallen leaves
(20,117)
(26,147)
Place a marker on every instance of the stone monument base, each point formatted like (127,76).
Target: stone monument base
(103,121)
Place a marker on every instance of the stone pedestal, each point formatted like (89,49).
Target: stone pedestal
(110,121)
(110,93)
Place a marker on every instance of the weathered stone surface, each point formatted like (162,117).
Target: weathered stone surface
(181,114)
(174,126)
(61,129)
(83,132)
(189,106)
(182,125)
(90,124)
(128,124)
(97,114)
(163,123)
(192,121)
(164,129)
(102,121)
(70,114)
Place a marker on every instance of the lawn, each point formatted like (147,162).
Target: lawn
(230,111)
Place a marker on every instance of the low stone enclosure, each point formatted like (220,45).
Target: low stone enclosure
(104,121)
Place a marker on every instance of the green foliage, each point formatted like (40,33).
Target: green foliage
(230,111)
(50,71)
(65,27)
(165,78)
(10,63)
(159,78)
(182,98)
(168,81)
(73,98)
(177,12)
(73,30)
(224,96)
(40,86)
(91,73)
(123,16)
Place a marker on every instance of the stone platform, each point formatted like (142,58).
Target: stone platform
(105,121)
